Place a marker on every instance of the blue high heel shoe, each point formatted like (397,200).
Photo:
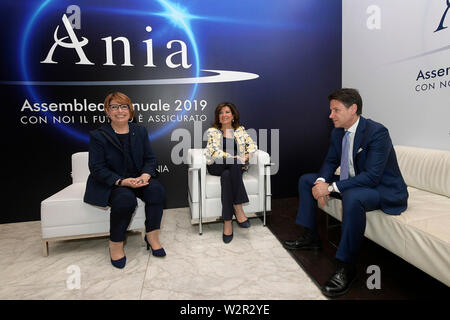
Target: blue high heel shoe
(226,237)
(120,264)
(243,224)
(157,253)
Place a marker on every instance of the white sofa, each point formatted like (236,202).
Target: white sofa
(205,198)
(421,234)
(65,216)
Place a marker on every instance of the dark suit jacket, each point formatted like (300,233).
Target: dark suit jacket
(107,161)
(375,165)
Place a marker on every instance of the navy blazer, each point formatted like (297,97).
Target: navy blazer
(107,161)
(375,165)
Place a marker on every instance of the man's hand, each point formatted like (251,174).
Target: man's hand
(323,201)
(320,189)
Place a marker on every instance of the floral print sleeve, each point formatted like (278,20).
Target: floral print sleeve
(213,147)
(250,145)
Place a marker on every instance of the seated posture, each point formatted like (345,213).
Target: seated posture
(228,150)
(369,179)
(122,167)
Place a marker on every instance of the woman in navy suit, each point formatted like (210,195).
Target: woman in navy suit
(122,167)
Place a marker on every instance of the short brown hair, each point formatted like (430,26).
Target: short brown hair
(120,98)
(236,123)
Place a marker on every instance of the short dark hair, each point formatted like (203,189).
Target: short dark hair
(348,97)
(236,123)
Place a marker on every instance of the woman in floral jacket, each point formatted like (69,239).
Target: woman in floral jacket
(228,150)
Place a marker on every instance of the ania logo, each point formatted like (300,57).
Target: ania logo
(78,46)
(441,23)
(71,42)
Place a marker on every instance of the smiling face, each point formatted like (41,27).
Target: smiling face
(342,116)
(226,116)
(118,114)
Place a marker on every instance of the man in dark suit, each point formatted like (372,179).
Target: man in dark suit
(369,179)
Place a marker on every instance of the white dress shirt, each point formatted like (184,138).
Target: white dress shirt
(351,167)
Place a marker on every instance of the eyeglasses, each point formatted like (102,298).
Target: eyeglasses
(117,106)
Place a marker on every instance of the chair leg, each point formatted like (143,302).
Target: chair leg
(264,223)
(45,248)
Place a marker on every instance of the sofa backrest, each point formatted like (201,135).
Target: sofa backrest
(426,169)
(80,168)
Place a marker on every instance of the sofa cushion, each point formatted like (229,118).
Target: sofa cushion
(426,169)
(66,207)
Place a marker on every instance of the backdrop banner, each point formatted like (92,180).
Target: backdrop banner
(397,53)
(177,60)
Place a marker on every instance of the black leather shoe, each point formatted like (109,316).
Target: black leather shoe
(340,282)
(307,241)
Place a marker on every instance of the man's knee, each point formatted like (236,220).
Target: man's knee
(307,180)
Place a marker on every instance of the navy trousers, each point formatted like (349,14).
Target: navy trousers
(123,204)
(232,185)
(355,203)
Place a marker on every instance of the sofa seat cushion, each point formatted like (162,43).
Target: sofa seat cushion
(424,205)
(214,190)
(66,207)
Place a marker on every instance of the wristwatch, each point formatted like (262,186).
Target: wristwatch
(330,188)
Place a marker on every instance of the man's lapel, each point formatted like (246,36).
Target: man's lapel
(359,135)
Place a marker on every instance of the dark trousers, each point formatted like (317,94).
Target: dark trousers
(355,203)
(123,204)
(232,185)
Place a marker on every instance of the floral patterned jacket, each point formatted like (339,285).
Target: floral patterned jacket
(214,148)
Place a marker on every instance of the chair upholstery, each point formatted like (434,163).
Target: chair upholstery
(207,194)
(65,215)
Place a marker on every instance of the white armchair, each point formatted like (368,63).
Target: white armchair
(65,216)
(204,191)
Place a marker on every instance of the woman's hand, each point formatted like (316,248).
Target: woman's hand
(143,180)
(134,182)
